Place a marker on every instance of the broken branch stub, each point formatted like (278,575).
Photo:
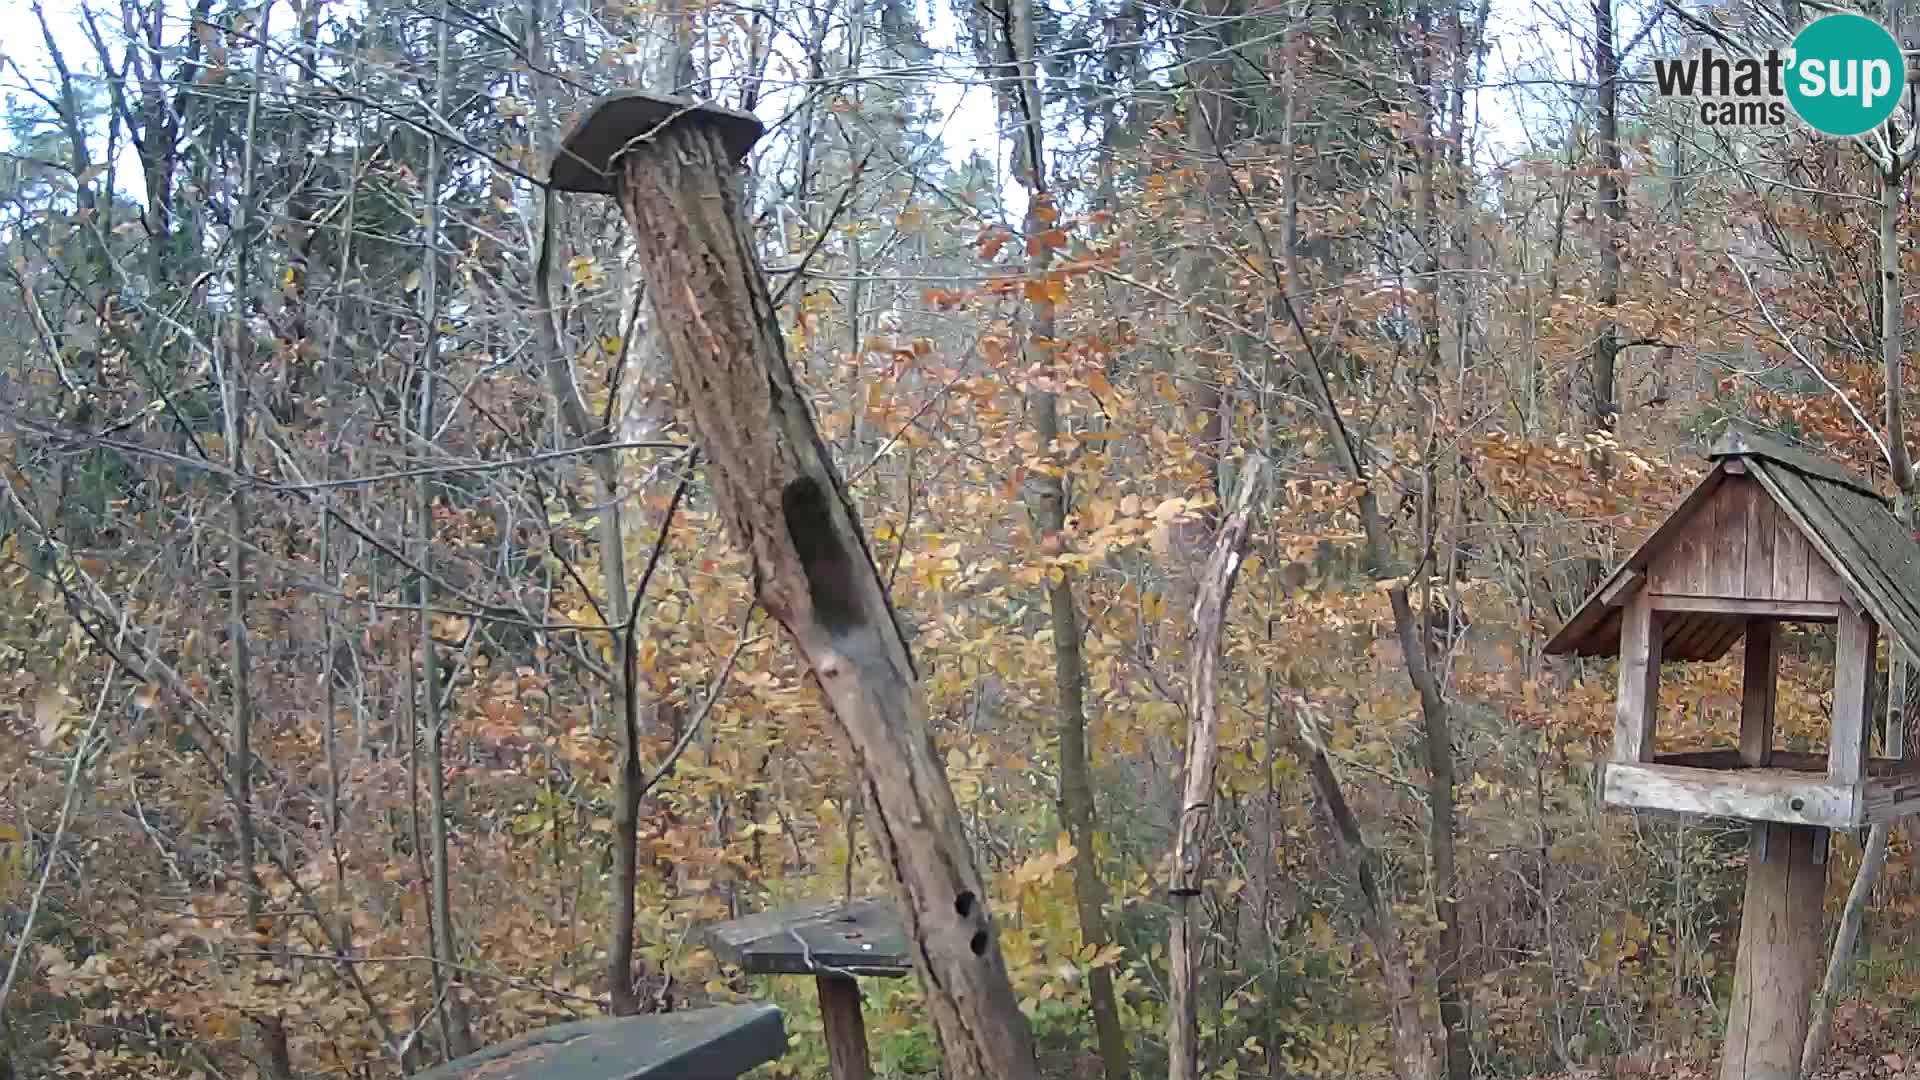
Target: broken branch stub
(783,502)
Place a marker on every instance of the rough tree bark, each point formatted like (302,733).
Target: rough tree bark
(1188,865)
(784,503)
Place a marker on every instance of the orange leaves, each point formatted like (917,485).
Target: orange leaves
(988,243)
(946,299)
(1051,289)
(1047,240)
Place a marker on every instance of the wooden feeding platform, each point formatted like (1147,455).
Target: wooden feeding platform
(1772,535)
(719,1043)
(834,943)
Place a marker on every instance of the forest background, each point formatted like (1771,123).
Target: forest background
(377,685)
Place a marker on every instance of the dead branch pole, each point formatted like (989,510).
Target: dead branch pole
(671,164)
(1202,755)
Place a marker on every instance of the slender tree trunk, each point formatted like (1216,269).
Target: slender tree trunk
(1600,405)
(1415,1048)
(1413,639)
(1211,120)
(239,365)
(446,954)
(1603,409)
(238,402)
(1047,503)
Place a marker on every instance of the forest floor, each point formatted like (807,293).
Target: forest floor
(1870,1042)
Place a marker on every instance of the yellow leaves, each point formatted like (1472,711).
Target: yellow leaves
(1169,509)
(965,770)
(1040,869)
(584,270)
(1153,607)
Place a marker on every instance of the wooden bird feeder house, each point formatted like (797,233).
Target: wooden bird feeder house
(1772,535)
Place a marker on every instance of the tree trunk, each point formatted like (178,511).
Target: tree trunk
(459,1029)
(1188,870)
(1413,638)
(1208,65)
(1047,502)
(784,503)
(1413,1051)
(1603,411)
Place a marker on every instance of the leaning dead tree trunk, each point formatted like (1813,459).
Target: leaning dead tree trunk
(671,164)
(1196,800)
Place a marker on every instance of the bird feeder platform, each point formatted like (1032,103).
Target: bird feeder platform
(719,1043)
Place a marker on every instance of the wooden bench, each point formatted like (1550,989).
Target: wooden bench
(835,943)
(718,1043)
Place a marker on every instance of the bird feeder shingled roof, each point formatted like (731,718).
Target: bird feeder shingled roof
(1858,555)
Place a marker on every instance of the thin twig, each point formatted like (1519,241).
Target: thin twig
(713,698)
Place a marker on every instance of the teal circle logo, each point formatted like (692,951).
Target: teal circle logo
(1847,73)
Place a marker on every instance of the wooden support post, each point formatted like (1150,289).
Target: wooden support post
(1758,678)
(1852,697)
(1639,701)
(1778,967)
(672,165)
(846,1028)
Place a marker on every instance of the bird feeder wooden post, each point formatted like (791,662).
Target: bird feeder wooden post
(1772,535)
(672,164)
